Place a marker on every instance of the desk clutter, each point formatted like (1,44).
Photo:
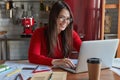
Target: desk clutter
(13,70)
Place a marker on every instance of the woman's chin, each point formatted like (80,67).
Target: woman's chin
(62,29)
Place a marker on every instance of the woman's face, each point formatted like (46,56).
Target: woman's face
(63,20)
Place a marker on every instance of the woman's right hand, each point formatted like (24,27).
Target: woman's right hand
(63,62)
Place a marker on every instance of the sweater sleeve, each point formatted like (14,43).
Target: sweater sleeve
(76,41)
(35,55)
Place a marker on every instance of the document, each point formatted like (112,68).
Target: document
(28,69)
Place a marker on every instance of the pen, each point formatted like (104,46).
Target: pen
(35,68)
(50,76)
(14,72)
(19,76)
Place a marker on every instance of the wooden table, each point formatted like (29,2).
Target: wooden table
(105,75)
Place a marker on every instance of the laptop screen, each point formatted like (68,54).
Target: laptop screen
(103,49)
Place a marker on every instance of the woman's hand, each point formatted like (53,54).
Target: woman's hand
(63,62)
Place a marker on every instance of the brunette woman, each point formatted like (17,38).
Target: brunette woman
(52,44)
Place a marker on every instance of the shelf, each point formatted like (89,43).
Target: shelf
(13,38)
(110,36)
(111,6)
(25,0)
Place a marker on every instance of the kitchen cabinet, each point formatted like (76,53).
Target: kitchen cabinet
(111,6)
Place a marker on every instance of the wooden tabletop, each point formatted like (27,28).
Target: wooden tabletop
(105,75)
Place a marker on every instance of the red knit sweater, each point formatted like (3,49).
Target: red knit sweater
(38,47)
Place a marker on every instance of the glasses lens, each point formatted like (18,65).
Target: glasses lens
(64,19)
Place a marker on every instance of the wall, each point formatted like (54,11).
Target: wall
(19,49)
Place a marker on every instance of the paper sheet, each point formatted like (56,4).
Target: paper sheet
(116,70)
(19,65)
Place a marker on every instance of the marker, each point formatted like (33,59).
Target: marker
(14,72)
(4,68)
(50,76)
(41,71)
(27,68)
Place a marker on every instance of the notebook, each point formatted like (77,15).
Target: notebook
(49,76)
(103,49)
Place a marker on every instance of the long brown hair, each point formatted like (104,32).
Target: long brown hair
(52,34)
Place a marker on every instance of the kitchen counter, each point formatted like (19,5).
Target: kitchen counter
(4,41)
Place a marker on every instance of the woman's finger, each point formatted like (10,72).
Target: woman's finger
(69,63)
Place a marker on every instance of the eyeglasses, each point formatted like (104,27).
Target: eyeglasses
(62,18)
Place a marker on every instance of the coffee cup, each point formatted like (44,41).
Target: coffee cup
(94,68)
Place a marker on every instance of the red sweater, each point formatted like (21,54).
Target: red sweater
(38,47)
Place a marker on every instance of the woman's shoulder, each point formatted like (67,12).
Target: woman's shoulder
(40,30)
(74,32)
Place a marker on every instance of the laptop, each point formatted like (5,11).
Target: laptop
(103,49)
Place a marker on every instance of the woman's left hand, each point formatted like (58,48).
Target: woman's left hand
(66,62)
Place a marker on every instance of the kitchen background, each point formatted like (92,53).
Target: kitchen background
(10,21)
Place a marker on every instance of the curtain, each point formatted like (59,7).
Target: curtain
(87,18)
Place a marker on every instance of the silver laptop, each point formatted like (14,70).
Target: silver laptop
(103,49)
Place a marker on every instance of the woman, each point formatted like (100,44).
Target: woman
(52,45)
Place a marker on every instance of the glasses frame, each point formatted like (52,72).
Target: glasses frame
(62,19)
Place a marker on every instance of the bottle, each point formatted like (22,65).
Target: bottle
(42,6)
(7,5)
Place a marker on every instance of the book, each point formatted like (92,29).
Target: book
(3,68)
